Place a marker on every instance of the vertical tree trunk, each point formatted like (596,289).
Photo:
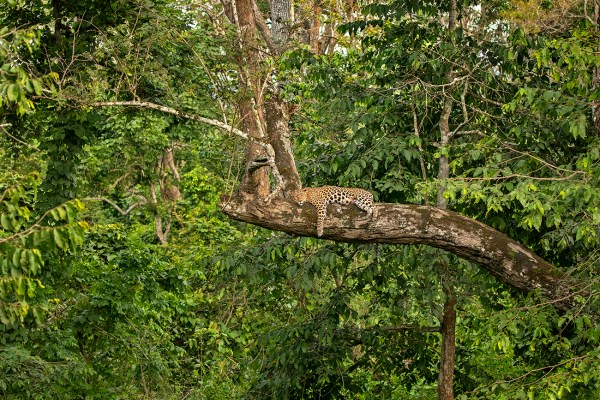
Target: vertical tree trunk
(169,187)
(162,234)
(445,134)
(315,27)
(448,332)
(264,112)
(58,25)
(279,137)
(169,162)
(448,326)
(281,19)
(444,167)
(596,104)
(255,182)
(277,116)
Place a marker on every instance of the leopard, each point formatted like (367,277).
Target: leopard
(321,197)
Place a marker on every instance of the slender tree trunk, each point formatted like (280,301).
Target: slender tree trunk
(162,234)
(448,331)
(444,166)
(169,187)
(169,162)
(58,25)
(445,134)
(315,26)
(448,326)
(596,104)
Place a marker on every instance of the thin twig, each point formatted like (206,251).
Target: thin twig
(15,138)
(547,164)
(27,231)
(550,367)
(498,178)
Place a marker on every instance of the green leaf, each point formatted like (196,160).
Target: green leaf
(71,212)
(21,286)
(12,92)
(58,240)
(37,239)
(30,288)
(6,225)
(16,258)
(55,214)
(61,212)
(578,126)
(3,317)
(37,87)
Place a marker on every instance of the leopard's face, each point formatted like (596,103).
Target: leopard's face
(299,196)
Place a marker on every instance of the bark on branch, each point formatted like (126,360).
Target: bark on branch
(474,241)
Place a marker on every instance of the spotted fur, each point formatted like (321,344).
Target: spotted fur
(321,197)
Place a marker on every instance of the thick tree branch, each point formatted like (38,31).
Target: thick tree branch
(264,30)
(474,241)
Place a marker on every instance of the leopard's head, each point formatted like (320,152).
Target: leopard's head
(299,196)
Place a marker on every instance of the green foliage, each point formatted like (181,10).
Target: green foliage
(24,240)
(523,159)
(226,310)
(17,85)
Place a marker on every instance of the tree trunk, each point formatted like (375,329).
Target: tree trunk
(162,234)
(276,113)
(257,180)
(57,6)
(315,27)
(444,167)
(447,351)
(281,20)
(278,132)
(265,118)
(448,331)
(596,104)
(169,186)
